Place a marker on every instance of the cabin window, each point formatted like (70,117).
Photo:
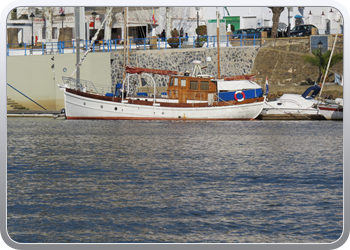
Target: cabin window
(176,81)
(204,85)
(171,81)
(194,85)
(183,82)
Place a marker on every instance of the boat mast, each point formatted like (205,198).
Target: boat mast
(77,42)
(330,58)
(77,36)
(218,35)
(125,38)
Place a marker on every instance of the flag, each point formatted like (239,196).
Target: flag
(153,19)
(267,86)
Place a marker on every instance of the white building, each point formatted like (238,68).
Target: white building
(47,21)
(254,17)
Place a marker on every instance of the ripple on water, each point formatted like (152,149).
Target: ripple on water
(150,182)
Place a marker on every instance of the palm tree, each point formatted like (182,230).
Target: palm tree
(320,60)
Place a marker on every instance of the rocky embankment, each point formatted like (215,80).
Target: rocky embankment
(280,60)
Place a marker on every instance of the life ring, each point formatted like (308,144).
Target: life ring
(243,96)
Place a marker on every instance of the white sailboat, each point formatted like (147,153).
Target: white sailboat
(294,104)
(303,106)
(189,96)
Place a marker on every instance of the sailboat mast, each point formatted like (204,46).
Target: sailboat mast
(77,42)
(218,35)
(330,58)
(125,39)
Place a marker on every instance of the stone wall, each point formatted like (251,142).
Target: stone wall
(279,59)
(291,44)
(234,61)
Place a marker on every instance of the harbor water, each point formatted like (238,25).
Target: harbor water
(174,181)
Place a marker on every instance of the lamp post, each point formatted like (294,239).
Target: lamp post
(288,29)
(197,9)
(32,18)
(62,17)
(320,46)
(94,14)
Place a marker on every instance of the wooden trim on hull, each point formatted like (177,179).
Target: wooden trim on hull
(158,119)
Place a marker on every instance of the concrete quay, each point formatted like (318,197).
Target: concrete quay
(33,113)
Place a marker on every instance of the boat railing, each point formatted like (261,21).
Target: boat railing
(85,86)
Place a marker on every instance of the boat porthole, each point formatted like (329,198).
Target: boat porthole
(84,103)
(162,113)
(101,106)
(115,108)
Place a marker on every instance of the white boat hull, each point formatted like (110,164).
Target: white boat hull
(80,107)
(291,104)
(331,112)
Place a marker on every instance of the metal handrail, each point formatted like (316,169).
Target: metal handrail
(26,96)
(63,47)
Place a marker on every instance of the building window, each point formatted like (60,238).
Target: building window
(183,82)
(204,85)
(194,85)
(171,82)
(43,33)
(54,33)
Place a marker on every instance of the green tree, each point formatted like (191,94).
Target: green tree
(320,60)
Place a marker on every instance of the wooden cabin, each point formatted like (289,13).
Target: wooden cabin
(190,88)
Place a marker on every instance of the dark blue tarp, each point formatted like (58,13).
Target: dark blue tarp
(316,89)
(250,93)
